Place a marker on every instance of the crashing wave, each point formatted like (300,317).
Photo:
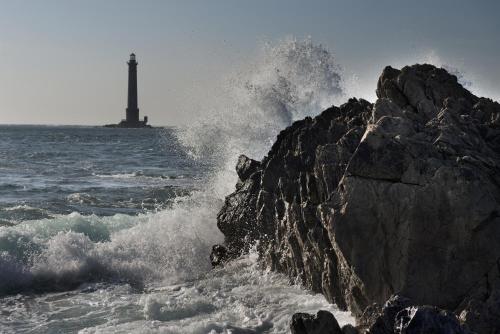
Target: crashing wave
(288,81)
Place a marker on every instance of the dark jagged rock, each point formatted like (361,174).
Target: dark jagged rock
(427,320)
(218,255)
(400,315)
(246,167)
(365,201)
(382,322)
(322,323)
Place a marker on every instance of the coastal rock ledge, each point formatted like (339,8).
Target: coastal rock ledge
(367,201)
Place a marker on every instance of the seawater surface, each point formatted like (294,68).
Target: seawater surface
(109,231)
(50,170)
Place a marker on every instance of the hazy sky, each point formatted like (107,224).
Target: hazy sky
(63,62)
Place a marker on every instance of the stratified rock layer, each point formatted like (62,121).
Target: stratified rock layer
(365,201)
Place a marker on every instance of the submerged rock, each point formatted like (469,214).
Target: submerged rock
(365,201)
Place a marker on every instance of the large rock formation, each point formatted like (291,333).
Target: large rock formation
(365,201)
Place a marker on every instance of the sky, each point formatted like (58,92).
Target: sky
(64,61)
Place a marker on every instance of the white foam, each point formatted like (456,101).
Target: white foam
(166,246)
(21,207)
(240,298)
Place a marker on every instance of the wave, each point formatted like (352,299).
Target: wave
(11,215)
(241,293)
(118,175)
(62,253)
(288,81)
(81,198)
(20,207)
(140,174)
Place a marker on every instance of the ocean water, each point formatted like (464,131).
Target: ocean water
(50,170)
(110,230)
(97,237)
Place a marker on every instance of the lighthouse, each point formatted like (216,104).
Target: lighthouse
(132,109)
(132,112)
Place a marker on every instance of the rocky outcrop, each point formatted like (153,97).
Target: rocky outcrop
(365,201)
(399,315)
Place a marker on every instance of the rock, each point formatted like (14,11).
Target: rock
(246,167)
(427,320)
(322,323)
(483,315)
(219,255)
(480,310)
(349,329)
(383,322)
(365,201)
(399,315)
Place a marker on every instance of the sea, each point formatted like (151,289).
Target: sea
(107,230)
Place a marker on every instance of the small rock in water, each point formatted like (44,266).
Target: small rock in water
(349,329)
(218,255)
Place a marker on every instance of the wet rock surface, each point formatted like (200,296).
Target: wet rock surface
(368,200)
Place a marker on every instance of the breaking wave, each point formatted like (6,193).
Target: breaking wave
(288,81)
(62,253)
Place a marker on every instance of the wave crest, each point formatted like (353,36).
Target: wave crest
(288,81)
